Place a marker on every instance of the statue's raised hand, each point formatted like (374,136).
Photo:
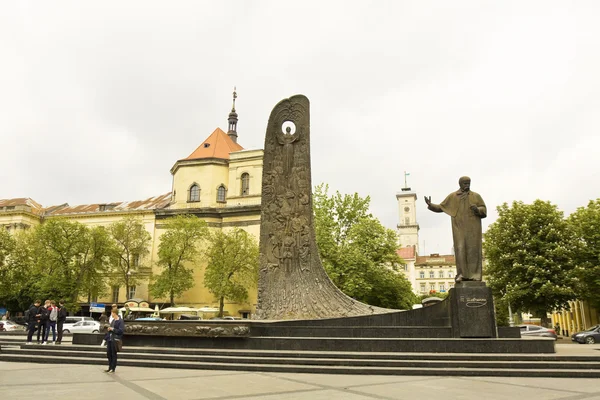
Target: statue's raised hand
(428,200)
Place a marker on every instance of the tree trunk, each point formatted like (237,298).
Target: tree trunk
(221,306)
(292,281)
(172,298)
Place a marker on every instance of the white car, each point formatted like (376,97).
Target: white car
(10,326)
(82,327)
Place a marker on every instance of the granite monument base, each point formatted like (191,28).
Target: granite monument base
(472,311)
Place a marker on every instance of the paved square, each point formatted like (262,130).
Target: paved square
(90,382)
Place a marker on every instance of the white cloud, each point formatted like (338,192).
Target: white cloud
(99,100)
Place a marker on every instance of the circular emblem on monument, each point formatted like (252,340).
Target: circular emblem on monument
(406,209)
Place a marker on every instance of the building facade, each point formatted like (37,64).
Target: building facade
(219,182)
(435,273)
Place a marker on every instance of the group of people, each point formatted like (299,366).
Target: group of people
(45,318)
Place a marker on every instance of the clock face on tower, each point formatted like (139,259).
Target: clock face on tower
(406,209)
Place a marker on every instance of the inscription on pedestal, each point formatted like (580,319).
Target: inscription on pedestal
(473,312)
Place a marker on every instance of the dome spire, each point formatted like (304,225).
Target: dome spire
(233,119)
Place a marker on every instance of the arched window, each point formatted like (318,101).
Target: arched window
(221,193)
(245,184)
(194,193)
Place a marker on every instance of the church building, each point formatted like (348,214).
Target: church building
(219,182)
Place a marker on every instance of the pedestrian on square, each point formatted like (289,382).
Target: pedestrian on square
(43,322)
(62,316)
(114,309)
(114,335)
(32,319)
(52,318)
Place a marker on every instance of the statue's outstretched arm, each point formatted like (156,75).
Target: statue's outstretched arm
(433,207)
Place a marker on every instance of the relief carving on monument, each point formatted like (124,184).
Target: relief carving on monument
(292,281)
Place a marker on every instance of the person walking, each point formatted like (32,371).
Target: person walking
(52,318)
(62,316)
(32,319)
(43,322)
(114,335)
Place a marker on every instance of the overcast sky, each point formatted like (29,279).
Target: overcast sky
(99,99)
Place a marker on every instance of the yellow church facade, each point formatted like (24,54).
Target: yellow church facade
(219,182)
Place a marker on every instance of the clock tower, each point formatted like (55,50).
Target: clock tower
(408,228)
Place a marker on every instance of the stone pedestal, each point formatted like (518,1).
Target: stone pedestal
(472,311)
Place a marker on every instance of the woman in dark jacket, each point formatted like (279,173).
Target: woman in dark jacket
(115,333)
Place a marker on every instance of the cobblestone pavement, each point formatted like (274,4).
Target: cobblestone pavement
(29,381)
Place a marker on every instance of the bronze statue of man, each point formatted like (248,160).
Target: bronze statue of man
(466,209)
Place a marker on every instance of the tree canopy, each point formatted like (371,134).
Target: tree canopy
(529,252)
(132,242)
(232,265)
(178,253)
(585,222)
(358,253)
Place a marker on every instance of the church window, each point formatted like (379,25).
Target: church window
(194,193)
(245,184)
(221,192)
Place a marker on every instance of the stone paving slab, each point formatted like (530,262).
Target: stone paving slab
(21,381)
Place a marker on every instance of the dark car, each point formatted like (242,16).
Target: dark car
(590,336)
(538,331)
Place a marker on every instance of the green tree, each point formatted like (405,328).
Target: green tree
(7,249)
(529,251)
(57,248)
(586,227)
(95,262)
(131,246)
(232,265)
(178,253)
(358,253)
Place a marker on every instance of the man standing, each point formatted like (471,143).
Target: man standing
(466,209)
(43,321)
(32,319)
(62,316)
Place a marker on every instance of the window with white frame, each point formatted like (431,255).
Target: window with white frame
(194,193)
(245,184)
(131,293)
(422,274)
(432,274)
(221,193)
(422,287)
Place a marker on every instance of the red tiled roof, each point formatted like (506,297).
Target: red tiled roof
(151,203)
(217,145)
(406,252)
(36,208)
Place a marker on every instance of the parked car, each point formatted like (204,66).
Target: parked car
(72,320)
(589,336)
(83,327)
(534,330)
(10,326)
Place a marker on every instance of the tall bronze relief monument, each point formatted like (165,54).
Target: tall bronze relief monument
(292,281)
